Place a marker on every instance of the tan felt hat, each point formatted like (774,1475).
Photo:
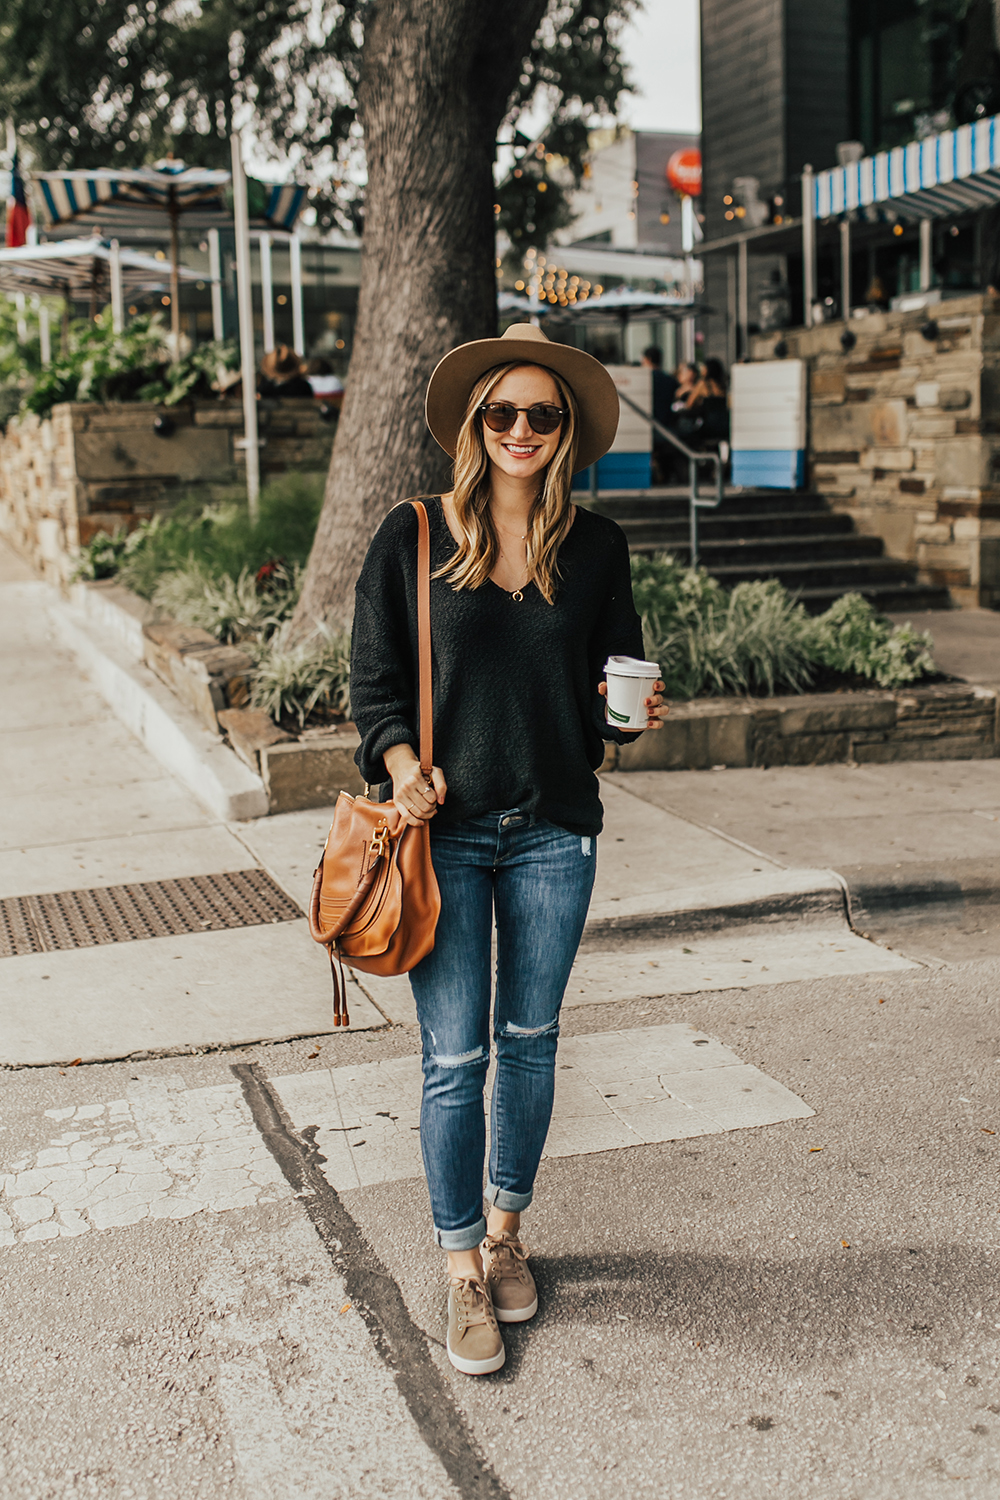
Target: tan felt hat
(450,386)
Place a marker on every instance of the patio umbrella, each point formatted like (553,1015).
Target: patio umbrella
(141,198)
(624,305)
(82,268)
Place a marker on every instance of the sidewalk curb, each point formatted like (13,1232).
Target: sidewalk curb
(813,896)
(172,734)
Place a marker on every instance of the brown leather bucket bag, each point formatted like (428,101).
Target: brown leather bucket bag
(375,899)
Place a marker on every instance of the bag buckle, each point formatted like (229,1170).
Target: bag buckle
(379,840)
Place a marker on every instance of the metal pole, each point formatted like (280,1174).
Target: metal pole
(808,244)
(926,257)
(267,290)
(117,300)
(298,321)
(215,271)
(244,298)
(45,336)
(175,278)
(693,475)
(845,269)
(732,312)
(743,299)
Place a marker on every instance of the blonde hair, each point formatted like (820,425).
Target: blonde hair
(478,551)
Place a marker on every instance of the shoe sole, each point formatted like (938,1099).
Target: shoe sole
(478,1366)
(515,1314)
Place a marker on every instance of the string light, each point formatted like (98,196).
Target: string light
(897,229)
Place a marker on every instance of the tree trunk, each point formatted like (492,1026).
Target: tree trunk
(436,78)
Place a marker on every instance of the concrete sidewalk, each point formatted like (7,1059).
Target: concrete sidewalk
(88,810)
(763,1226)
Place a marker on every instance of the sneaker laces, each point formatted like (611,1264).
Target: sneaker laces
(507,1254)
(475,1304)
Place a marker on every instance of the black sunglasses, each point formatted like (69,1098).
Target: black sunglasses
(500,416)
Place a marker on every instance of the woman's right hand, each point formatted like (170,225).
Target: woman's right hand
(415,798)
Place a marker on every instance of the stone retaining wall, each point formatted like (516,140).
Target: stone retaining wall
(948,721)
(91,468)
(904,435)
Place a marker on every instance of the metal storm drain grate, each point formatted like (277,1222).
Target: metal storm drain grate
(152,908)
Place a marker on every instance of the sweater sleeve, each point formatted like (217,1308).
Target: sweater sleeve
(383,664)
(618,632)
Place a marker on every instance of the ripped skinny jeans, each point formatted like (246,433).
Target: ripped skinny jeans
(538,879)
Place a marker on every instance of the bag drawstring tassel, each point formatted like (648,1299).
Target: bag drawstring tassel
(340,1012)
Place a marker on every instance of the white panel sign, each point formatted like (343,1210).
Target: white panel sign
(769,406)
(634,434)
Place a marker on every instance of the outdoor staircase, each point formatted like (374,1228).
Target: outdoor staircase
(785,534)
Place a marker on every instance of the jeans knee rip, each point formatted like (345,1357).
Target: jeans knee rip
(461,1060)
(511,1030)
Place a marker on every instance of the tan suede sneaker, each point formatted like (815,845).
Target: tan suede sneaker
(510,1283)
(474,1343)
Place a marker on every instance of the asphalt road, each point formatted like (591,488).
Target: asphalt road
(808,1308)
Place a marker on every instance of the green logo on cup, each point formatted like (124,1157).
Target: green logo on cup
(621,718)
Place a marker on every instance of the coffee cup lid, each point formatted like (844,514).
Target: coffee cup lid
(629,666)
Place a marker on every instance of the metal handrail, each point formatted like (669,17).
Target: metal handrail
(694,458)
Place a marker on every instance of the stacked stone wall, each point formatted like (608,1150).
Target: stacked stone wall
(90,468)
(904,435)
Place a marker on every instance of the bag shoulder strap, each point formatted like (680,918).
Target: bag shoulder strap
(424,684)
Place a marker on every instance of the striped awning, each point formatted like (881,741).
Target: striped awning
(944,174)
(142,198)
(80,268)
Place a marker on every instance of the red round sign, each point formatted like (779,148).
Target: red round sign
(684,172)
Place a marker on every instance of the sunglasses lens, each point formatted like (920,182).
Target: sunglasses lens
(544,419)
(499,417)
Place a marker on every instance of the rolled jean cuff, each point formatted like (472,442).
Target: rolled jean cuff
(508,1203)
(461,1239)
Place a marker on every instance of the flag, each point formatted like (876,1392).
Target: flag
(18,217)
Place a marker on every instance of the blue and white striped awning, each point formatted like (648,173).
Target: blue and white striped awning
(80,268)
(944,174)
(122,200)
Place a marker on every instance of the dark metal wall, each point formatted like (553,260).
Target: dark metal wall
(743,99)
(775,94)
(817,82)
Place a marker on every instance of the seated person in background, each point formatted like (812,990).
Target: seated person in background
(324,384)
(705,418)
(671,463)
(281,376)
(664,389)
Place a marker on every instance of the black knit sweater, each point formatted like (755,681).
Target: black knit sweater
(518,720)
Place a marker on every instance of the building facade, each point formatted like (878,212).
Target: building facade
(786,83)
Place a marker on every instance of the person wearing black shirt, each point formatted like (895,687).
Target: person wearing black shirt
(530,594)
(664,391)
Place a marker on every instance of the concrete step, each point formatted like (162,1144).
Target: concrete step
(792,536)
(773,551)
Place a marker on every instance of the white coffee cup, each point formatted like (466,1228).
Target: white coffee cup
(630,683)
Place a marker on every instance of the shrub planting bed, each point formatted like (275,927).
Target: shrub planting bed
(754,679)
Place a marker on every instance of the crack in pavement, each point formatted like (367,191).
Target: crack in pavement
(397,1339)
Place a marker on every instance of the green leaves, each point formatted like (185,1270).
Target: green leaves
(853,637)
(757,639)
(99,364)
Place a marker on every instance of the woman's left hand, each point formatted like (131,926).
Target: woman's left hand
(657,706)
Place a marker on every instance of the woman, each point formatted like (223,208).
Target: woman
(529,596)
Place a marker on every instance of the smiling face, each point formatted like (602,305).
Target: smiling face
(521,452)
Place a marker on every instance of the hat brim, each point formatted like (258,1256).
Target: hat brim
(450,386)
